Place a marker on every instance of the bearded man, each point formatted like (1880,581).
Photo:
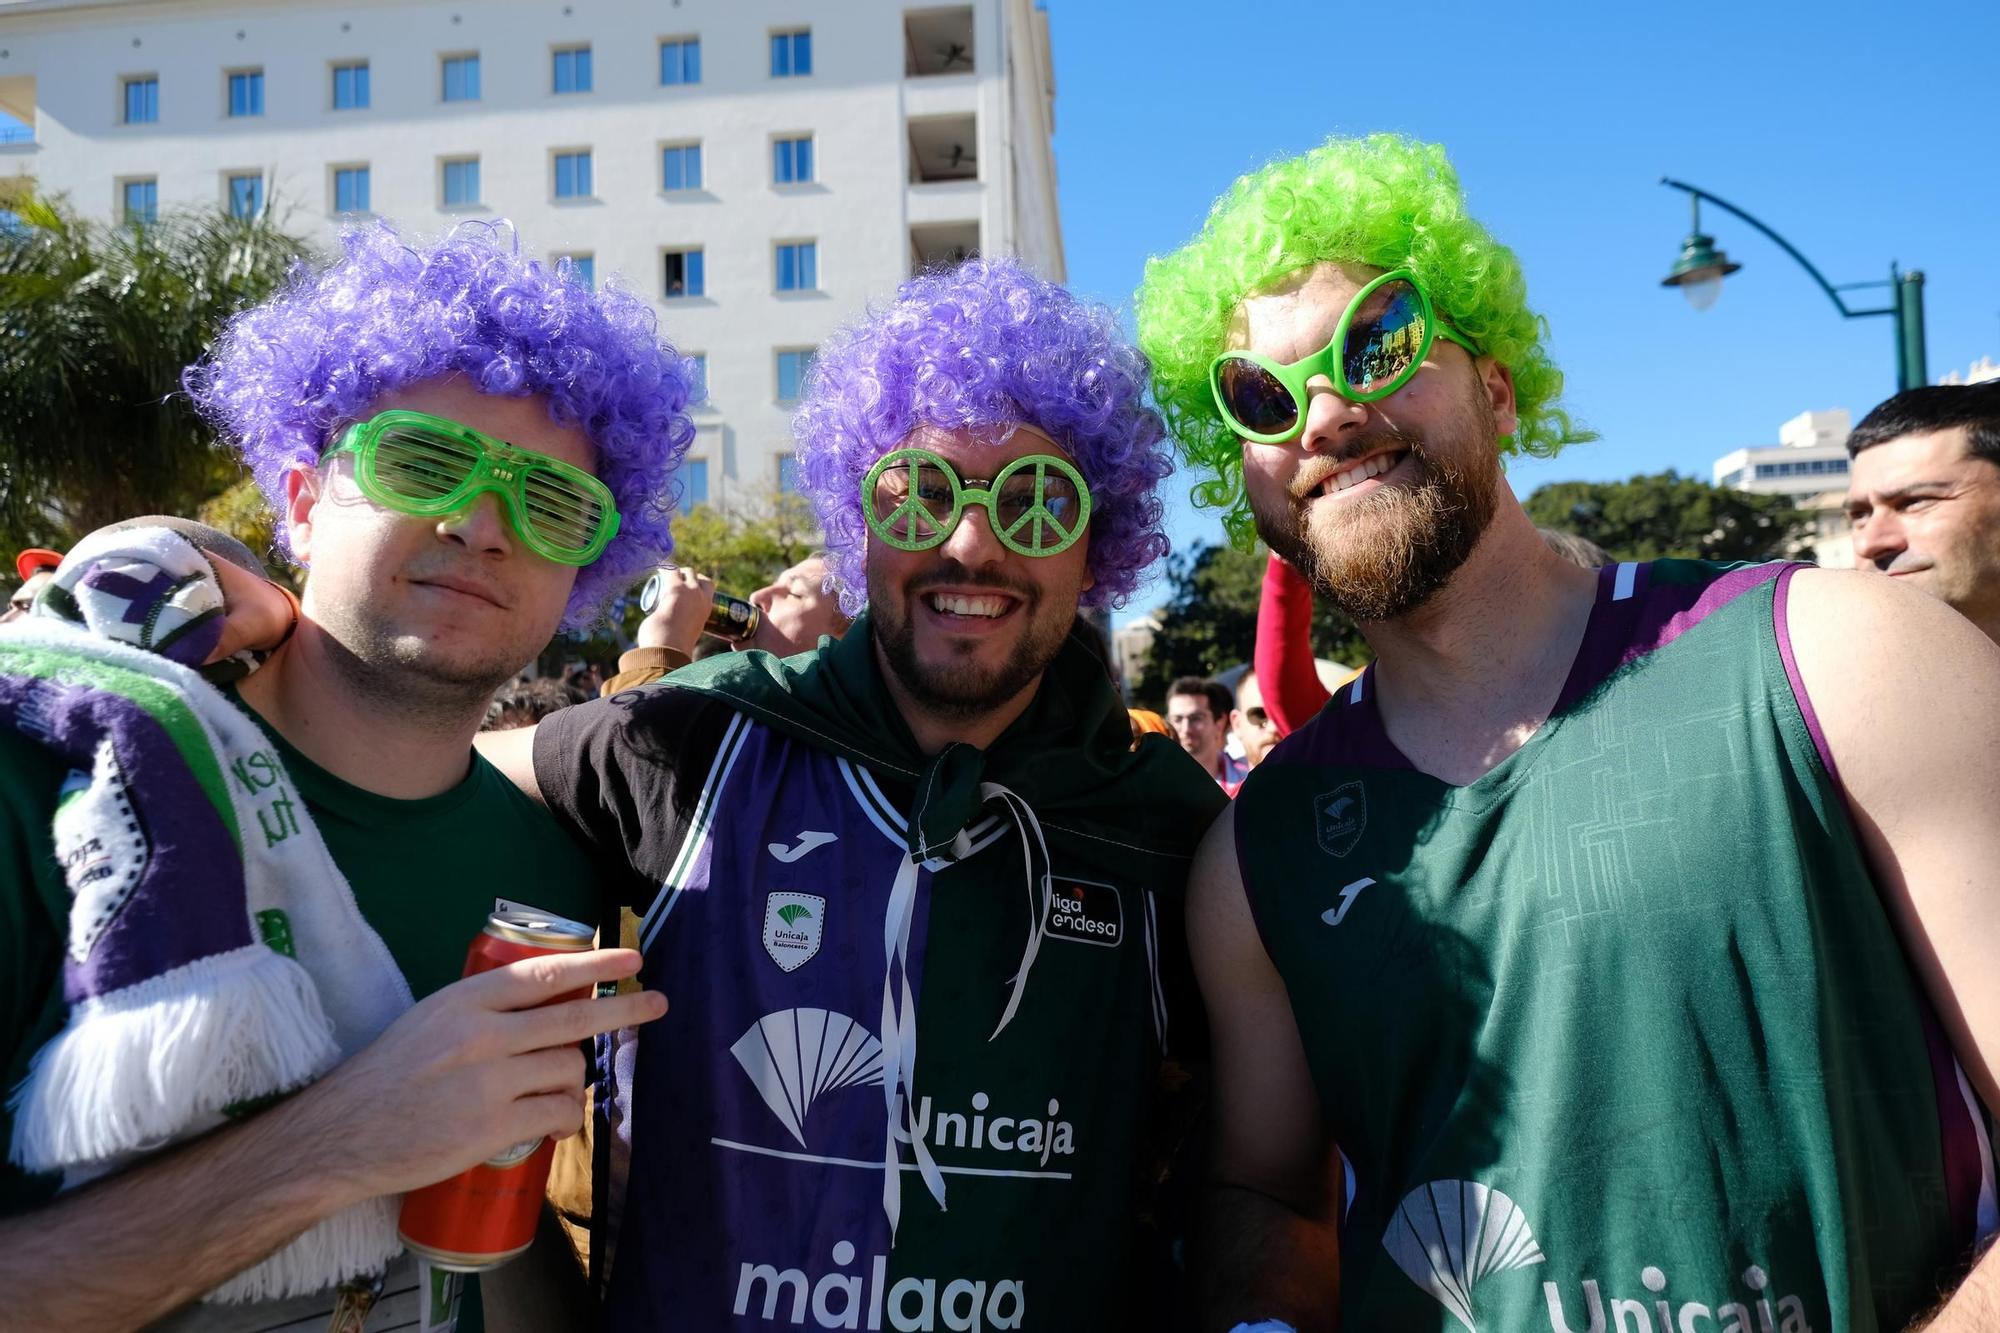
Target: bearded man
(1619,944)
(915,887)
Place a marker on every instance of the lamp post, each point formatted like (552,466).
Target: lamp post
(1700,269)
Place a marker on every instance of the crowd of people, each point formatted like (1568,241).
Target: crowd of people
(1611,951)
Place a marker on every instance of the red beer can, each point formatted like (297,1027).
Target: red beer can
(484,1216)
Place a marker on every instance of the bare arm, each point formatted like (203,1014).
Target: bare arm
(1268,1245)
(454,1081)
(1913,723)
(513,753)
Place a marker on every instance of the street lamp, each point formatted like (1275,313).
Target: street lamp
(1700,269)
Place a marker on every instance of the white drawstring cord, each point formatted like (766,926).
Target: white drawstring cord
(899,1050)
(1038,905)
(899,1020)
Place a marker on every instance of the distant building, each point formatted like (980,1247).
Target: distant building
(1982,370)
(1132,646)
(760,170)
(1809,463)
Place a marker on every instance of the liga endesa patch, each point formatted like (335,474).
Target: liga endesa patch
(1087,912)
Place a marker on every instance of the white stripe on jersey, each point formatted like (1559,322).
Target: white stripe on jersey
(733,737)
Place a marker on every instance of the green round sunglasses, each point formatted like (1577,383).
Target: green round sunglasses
(1037,505)
(1380,342)
(426,467)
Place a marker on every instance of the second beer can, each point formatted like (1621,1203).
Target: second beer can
(732,619)
(484,1216)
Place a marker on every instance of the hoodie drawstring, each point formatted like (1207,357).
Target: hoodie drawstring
(899,1001)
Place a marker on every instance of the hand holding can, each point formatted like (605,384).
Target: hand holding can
(484,1216)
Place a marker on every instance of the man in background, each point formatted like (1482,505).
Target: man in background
(1199,712)
(1251,722)
(1924,495)
(795,611)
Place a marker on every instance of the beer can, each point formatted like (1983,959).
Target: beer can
(484,1216)
(732,619)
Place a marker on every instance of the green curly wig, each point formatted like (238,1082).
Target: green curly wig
(1385,201)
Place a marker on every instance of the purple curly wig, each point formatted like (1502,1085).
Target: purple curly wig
(988,344)
(285,376)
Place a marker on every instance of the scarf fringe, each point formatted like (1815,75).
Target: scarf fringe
(352,1243)
(134,1068)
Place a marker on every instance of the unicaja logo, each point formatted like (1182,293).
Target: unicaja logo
(1450,1235)
(1752,1312)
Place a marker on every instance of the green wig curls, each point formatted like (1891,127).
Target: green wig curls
(1384,201)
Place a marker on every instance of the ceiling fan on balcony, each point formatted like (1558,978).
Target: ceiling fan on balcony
(956,53)
(959,157)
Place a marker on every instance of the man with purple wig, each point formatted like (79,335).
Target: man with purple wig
(466,449)
(917,896)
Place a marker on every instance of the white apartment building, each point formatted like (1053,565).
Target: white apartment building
(762,169)
(1809,463)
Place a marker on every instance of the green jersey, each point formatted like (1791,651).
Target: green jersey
(424,873)
(1618,1036)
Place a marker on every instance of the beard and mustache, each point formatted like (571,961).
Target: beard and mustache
(962,688)
(1384,555)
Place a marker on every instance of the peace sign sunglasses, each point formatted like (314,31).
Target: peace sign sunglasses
(1037,505)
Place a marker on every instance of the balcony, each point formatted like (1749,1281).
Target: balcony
(944,148)
(937,42)
(942,245)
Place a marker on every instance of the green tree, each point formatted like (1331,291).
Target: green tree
(1209,622)
(1666,514)
(745,546)
(96,324)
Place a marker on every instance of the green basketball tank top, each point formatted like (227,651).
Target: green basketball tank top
(1618,1037)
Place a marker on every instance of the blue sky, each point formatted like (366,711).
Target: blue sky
(1861,137)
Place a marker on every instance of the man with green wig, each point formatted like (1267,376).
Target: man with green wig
(1616,951)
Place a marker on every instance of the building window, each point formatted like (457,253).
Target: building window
(792,160)
(582,268)
(788,474)
(246,93)
(572,70)
(694,483)
(142,100)
(798,266)
(573,175)
(699,362)
(680,60)
(350,86)
(792,368)
(141,199)
(350,189)
(461,181)
(682,274)
(461,78)
(246,193)
(680,167)
(791,54)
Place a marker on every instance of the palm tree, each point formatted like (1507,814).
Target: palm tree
(96,323)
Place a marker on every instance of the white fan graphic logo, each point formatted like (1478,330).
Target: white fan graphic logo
(796,1055)
(1449,1234)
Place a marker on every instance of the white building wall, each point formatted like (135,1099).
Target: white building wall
(65,60)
